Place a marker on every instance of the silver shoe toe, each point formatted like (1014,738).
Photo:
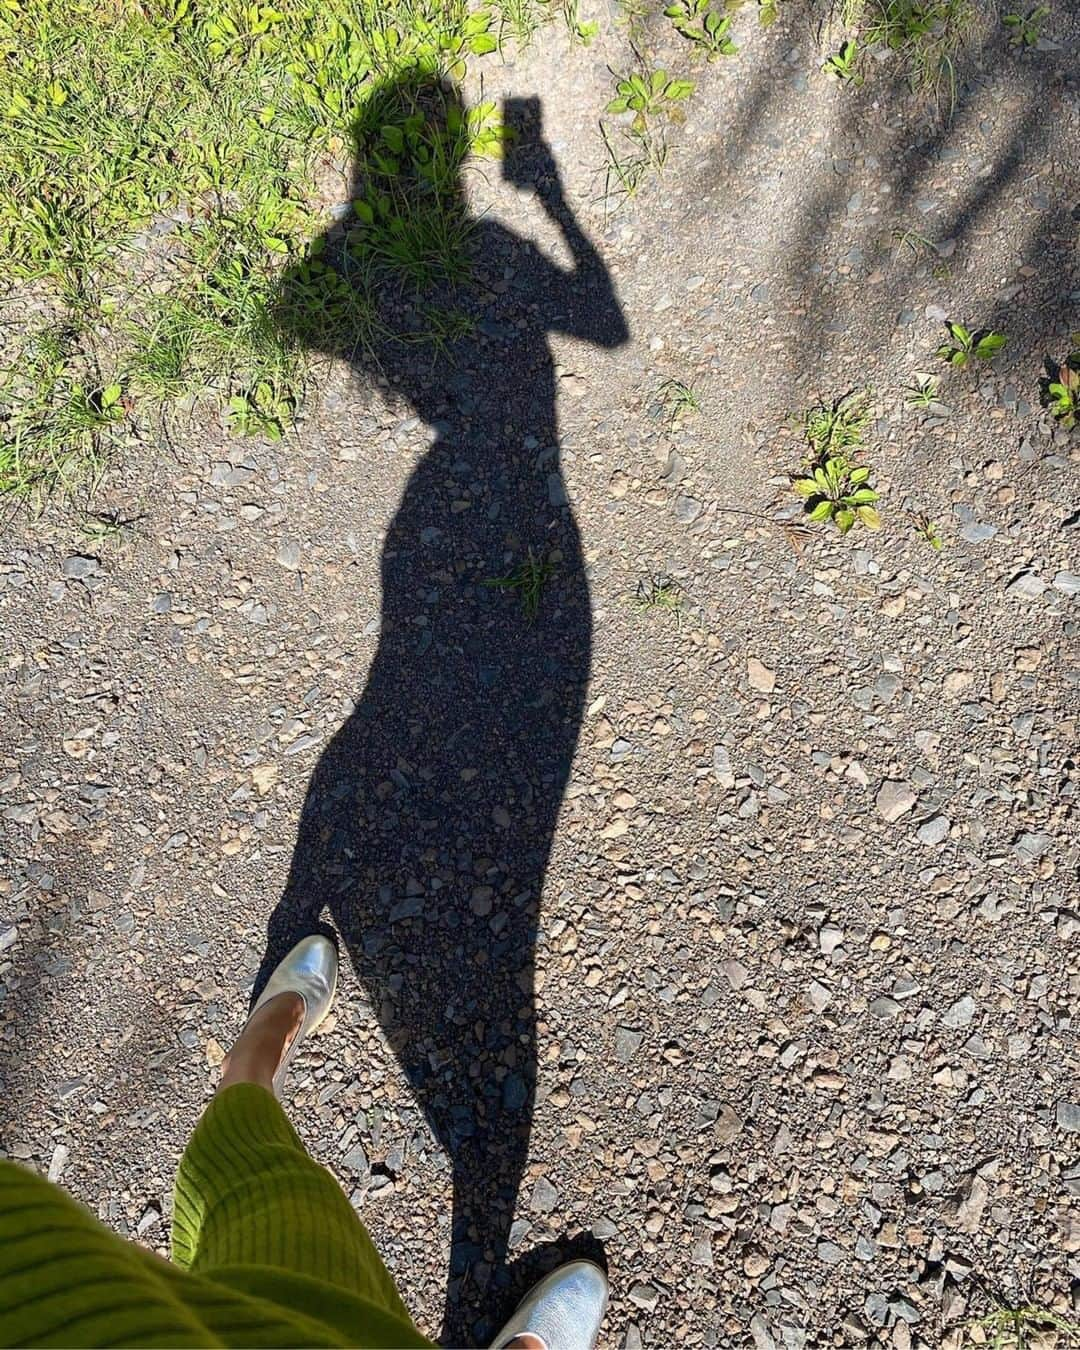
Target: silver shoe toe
(565,1309)
(309,970)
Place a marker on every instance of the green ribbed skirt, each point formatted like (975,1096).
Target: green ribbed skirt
(267,1251)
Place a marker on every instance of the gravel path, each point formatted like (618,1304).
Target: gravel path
(789,1030)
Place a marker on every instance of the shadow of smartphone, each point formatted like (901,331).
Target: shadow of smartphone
(522,117)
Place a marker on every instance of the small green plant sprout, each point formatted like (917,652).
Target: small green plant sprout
(660,594)
(768,11)
(1026,1327)
(528,579)
(981,345)
(262,411)
(676,400)
(921,250)
(1061,392)
(580,30)
(705,27)
(1025,29)
(108,404)
(106,527)
(911,241)
(834,429)
(926,529)
(647,95)
(844,64)
(922,393)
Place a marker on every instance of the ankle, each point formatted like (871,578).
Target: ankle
(259,1050)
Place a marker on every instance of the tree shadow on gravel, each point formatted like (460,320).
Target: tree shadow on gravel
(429,817)
(905,196)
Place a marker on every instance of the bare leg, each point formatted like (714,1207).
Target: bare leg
(256,1055)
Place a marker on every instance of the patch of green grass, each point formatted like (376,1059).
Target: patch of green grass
(412,141)
(1027,1327)
(926,36)
(58,416)
(528,580)
(521,20)
(187,140)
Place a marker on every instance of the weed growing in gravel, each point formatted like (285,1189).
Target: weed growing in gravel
(580,30)
(660,594)
(677,399)
(844,64)
(967,345)
(926,36)
(926,529)
(768,11)
(1026,1328)
(833,429)
(919,247)
(839,491)
(528,579)
(704,26)
(628,160)
(1061,391)
(648,94)
(523,19)
(1025,29)
(262,411)
(520,19)
(922,394)
(832,484)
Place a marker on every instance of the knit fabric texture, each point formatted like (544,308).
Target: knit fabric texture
(267,1251)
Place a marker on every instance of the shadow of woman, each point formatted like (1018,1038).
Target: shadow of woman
(429,818)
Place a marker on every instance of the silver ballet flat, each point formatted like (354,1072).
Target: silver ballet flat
(564,1310)
(309,970)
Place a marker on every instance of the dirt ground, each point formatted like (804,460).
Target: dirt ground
(793,1034)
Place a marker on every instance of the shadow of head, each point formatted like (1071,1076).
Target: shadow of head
(398,264)
(403,240)
(404,229)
